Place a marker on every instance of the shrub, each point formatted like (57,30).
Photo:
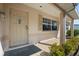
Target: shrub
(68,47)
(68,33)
(76,39)
(56,50)
(76,32)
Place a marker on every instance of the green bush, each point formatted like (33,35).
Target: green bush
(76,32)
(68,47)
(76,40)
(56,50)
(68,33)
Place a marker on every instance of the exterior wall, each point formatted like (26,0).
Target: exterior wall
(34,33)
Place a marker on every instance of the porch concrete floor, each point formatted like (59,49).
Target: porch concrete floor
(33,50)
(44,45)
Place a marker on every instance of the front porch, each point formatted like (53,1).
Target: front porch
(37,24)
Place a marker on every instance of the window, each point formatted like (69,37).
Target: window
(54,25)
(49,25)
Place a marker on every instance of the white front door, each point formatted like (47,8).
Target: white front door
(18,28)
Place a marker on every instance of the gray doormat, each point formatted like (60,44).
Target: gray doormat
(25,51)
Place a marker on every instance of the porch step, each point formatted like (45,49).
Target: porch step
(45,43)
(49,41)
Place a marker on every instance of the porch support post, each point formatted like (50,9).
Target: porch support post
(72,28)
(62,28)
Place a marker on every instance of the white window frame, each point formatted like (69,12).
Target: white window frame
(48,24)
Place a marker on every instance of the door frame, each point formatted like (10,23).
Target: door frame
(10,28)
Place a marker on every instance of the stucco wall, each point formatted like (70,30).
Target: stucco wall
(34,34)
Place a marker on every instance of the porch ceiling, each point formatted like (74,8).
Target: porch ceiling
(69,9)
(46,8)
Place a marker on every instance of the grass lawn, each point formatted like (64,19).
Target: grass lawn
(77,36)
